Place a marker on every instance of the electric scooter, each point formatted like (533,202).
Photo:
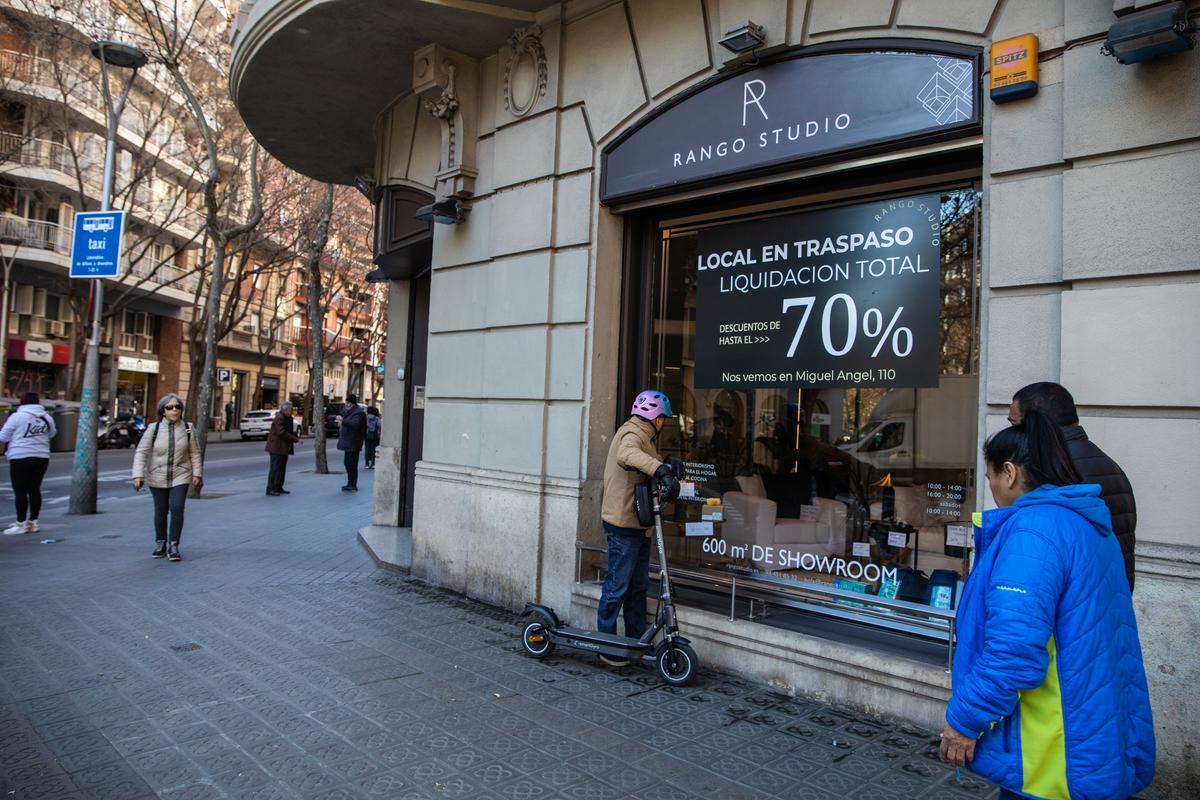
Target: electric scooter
(673,657)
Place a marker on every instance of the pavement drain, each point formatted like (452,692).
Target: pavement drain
(185,648)
(111,536)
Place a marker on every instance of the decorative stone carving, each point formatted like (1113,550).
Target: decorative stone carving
(445,107)
(447,83)
(526,64)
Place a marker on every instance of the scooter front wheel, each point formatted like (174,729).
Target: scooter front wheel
(536,640)
(677,664)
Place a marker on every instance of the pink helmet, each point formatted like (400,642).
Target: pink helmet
(651,405)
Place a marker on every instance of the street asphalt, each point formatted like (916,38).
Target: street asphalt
(277,662)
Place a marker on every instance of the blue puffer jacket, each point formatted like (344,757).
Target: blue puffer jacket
(1048,670)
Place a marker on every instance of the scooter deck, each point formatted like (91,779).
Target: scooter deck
(584,637)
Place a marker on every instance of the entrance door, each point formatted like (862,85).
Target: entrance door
(414,403)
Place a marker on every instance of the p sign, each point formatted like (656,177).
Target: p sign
(224,376)
(96,244)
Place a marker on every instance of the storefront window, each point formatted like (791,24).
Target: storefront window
(855,468)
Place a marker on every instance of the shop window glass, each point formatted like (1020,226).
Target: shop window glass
(845,486)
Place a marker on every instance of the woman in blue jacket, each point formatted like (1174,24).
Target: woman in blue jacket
(1049,694)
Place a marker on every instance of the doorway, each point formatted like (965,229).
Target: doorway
(414,401)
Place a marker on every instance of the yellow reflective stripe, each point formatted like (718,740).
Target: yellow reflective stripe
(1043,746)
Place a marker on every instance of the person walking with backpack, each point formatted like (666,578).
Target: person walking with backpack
(281,443)
(352,432)
(168,460)
(1094,465)
(1049,696)
(27,432)
(374,428)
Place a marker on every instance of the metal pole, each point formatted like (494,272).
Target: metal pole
(83,476)
(8,262)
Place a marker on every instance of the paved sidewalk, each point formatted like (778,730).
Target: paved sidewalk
(276,662)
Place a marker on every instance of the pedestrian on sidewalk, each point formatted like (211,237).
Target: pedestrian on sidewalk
(281,443)
(27,432)
(229,415)
(1049,696)
(1093,464)
(352,432)
(168,459)
(374,429)
(632,459)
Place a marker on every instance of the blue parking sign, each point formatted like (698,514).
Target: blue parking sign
(96,244)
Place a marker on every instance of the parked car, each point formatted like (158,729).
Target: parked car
(256,423)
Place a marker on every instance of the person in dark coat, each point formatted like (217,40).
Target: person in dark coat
(281,443)
(229,416)
(352,432)
(1093,464)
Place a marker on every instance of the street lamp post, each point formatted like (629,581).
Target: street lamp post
(83,476)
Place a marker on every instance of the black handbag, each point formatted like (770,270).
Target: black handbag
(643,502)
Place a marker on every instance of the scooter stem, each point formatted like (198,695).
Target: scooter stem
(664,578)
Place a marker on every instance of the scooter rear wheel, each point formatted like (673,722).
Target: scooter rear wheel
(536,640)
(677,664)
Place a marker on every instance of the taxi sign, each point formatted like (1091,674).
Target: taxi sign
(96,244)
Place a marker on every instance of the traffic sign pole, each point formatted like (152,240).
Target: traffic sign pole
(83,476)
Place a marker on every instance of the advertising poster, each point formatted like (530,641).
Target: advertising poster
(843,297)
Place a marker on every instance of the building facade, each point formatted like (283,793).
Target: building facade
(833,250)
(51,165)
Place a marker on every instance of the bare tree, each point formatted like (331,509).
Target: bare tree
(177,37)
(316,321)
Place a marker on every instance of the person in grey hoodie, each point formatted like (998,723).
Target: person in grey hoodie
(27,432)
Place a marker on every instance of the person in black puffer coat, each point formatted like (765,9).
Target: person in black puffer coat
(1093,464)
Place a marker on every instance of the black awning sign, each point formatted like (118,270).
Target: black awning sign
(792,111)
(841,297)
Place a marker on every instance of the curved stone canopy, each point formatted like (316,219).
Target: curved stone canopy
(310,77)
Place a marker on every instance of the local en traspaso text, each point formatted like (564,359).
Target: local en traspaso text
(813,248)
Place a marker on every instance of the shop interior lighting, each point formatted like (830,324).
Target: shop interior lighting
(1148,34)
(743,37)
(445,212)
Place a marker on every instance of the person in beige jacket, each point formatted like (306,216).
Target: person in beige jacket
(168,459)
(632,458)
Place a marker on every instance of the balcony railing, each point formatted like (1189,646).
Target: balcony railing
(56,238)
(56,156)
(83,90)
(35,233)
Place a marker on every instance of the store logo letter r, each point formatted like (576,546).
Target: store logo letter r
(749,97)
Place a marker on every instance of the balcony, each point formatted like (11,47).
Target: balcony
(49,244)
(52,163)
(310,77)
(36,77)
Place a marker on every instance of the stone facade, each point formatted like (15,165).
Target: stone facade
(1090,272)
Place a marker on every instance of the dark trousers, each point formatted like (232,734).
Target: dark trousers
(277,472)
(169,500)
(26,475)
(624,587)
(350,459)
(369,456)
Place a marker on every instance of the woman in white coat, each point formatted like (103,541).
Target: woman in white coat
(168,459)
(27,432)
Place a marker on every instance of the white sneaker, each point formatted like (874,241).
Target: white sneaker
(15,528)
(31,526)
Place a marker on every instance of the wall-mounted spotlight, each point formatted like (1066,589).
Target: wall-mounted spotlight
(366,186)
(445,212)
(743,37)
(1151,33)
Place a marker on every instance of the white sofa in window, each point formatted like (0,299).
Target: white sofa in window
(750,519)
